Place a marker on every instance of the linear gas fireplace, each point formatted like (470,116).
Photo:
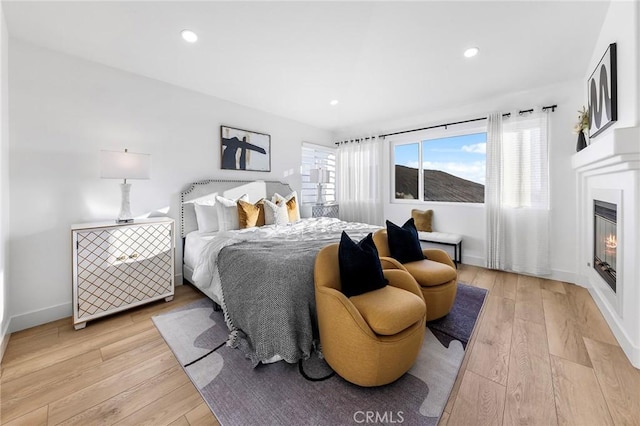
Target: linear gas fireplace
(605,242)
(608,170)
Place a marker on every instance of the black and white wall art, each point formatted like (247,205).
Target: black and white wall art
(245,150)
(602,89)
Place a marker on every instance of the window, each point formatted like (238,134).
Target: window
(317,157)
(525,163)
(406,171)
(452,168)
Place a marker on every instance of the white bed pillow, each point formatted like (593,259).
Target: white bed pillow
(207,217)
(275,214)
(228,212)
(277,198)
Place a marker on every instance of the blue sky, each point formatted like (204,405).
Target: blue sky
(462,156)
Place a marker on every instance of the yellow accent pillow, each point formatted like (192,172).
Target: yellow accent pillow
(292,209)
(250,215)
(422,219)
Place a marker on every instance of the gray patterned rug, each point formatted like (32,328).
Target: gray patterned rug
(279,394)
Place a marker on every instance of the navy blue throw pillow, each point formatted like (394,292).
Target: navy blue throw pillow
(360,268)
(404,244)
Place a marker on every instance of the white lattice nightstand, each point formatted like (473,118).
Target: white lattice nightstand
(325,210)
(116,267)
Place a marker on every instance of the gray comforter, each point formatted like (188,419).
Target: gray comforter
(269,295)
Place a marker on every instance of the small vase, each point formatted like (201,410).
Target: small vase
(582,142)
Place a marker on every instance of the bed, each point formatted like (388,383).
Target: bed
(262,277)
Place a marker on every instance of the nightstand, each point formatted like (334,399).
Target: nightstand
(117,267)
(325,210)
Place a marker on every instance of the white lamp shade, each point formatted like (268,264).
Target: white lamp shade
(319,176)
(124,165)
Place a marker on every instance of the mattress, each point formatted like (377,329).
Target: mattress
(194,244)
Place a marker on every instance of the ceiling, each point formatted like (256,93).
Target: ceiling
(381,60)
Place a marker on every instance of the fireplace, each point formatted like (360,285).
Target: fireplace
(605,243)
(608,170)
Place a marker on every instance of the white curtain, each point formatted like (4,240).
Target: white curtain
(359,175)
(517,194)
(493,191)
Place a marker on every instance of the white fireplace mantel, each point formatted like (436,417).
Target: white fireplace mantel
(609,170)
(616,147)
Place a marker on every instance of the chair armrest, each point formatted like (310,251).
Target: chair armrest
(403,280)
(438,255)
(391,263)
(336,300)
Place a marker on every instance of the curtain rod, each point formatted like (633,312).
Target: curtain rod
(445,125)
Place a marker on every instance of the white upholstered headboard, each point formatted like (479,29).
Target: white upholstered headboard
(208,189)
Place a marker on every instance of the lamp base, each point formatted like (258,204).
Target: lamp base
(320,199)
(125,215)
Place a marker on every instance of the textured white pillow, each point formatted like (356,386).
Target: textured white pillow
(228,212)
(207,217)
(275,214)
(279,198)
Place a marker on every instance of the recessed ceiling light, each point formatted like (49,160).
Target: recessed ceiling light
(189,36)
(471,52)
(333,102)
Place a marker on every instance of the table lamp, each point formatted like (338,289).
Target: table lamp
(319,176)
(124,165)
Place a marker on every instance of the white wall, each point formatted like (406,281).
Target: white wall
(469,220)
(4,186)
(63,111)
(621,27)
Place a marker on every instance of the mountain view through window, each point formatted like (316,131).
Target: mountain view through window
(453,169)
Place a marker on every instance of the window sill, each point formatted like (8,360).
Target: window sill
(437,203)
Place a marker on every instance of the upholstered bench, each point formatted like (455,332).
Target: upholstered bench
(454,240)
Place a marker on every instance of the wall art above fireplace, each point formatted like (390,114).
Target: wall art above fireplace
(603,93)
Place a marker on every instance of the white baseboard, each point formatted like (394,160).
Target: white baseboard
(473,260)
(5,340)
(556,274)
(52,313)
(630,349)
(41,316)
(566,276)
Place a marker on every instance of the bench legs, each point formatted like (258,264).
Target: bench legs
(457,253)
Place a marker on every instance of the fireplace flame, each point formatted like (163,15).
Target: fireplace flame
(611,242)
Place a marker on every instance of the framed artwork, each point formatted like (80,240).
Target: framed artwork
(245,150)
(603,93)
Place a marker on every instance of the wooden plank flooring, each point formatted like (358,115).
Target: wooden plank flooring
(541,354)
(116,370)
(562,363)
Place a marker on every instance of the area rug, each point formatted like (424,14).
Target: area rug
(288,394)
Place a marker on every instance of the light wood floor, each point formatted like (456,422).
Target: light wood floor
(541,355)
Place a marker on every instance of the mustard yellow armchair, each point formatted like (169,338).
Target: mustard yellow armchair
(373,338)
(436,275)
